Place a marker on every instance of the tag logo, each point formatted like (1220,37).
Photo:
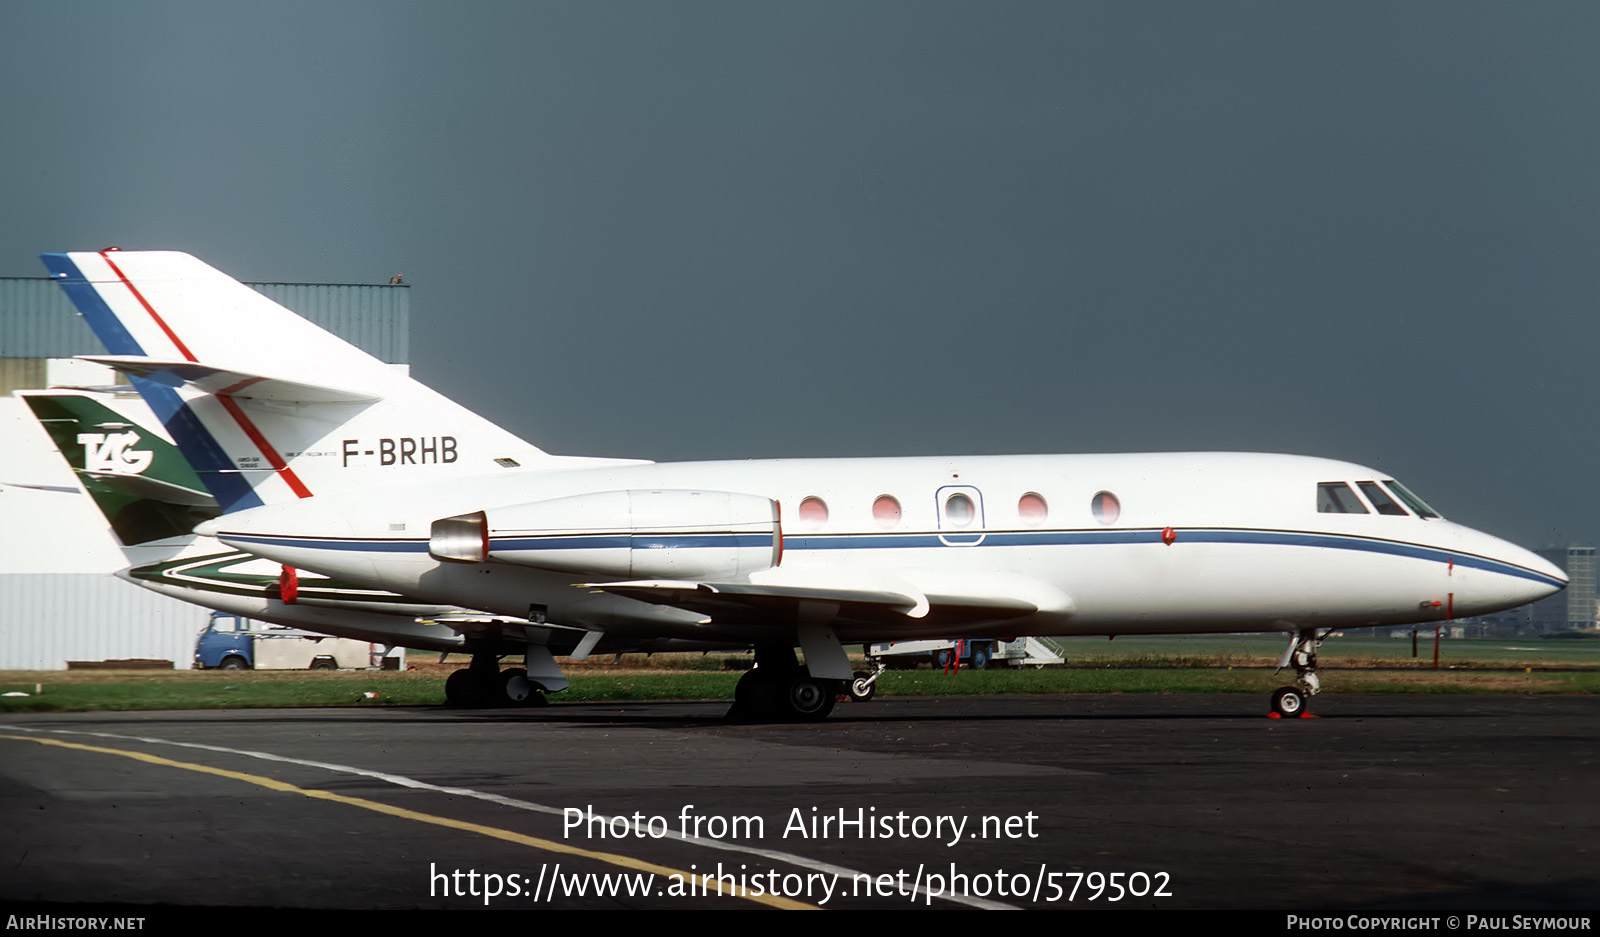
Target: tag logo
(108,453)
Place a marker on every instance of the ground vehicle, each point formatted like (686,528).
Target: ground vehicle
(974,654)
(233,642)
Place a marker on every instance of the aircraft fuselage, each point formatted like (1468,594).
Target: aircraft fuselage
(1139,543)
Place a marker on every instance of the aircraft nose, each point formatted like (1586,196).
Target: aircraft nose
(1556,577)
(1506,577)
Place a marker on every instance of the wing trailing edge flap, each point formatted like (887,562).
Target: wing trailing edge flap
(228,382)
(519,631)
(829,598)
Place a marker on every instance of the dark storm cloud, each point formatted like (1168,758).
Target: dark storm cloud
(727,230)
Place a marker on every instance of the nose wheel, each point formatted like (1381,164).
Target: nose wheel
(1288,702)
(1292,702)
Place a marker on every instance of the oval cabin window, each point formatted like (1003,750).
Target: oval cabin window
(813,512)
(1032,509)
(1106,507)
(886,511)
(959,510)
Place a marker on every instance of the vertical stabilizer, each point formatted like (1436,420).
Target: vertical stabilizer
(266,406)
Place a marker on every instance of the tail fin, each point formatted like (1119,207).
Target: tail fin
(140,482)
(264,405)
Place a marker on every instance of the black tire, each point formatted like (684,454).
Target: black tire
(233,663)
(809,699)
(1288,702)
(744,690)
(324,663)
(980,657)
(513,687)
(462,688)
(755,696)
(860,689)
(941,659)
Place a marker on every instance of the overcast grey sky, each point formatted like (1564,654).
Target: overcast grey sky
(724,230)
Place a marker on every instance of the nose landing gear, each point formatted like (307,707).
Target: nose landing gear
(1292,702)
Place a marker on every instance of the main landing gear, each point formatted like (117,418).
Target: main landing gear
(778,689)
(1292,702)
(483,683)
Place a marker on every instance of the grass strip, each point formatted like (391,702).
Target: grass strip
(110,690)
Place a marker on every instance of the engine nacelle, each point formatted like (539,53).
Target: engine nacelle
(638,534)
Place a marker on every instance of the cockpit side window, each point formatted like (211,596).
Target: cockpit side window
(1411,501)
(1381,501)
(1337,498)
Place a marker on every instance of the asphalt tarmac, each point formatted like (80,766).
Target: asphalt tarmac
(1385,802)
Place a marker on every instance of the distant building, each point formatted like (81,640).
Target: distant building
(1574,607)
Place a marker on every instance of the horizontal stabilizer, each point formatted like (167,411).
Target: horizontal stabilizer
(153,489)
(227,382)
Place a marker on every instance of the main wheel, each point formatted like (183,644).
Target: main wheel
(1288,702)
(941,658)
(463,688)
(514,686)
(980,657)
(755,696)
(862,687)
(809,698)
(233,663)
(324,663)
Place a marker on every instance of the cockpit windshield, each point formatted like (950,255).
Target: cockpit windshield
(1411,501)
(1381,501)
(1337,498)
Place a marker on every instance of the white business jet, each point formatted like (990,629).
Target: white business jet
(323,458)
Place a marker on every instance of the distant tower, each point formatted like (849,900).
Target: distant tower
(1574,606)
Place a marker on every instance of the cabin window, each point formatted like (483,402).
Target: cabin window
(1032,509)
(959,510)
(1107,509)
(1337,498)
(1381,501)
(1412,501)
(886,511)
(813,512)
